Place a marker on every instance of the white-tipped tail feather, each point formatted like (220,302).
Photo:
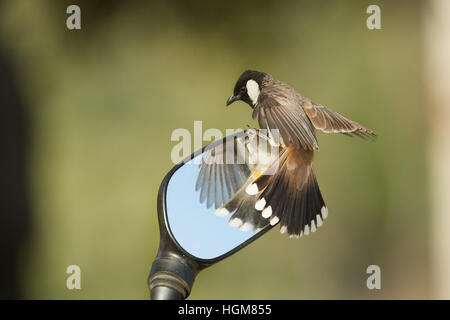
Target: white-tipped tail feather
(319,220)
(267,212)
(246,227)
(252,189)
(221,212)
(274,220)
(260,204)
(324,212)
(306,230)
(236,222)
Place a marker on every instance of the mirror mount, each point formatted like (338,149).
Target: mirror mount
(173,272)
(171,278)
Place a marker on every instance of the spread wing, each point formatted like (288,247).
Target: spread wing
(332,122)
(283,112)
(217,180)
(224,183)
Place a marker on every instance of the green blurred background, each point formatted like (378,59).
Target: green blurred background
(103,101)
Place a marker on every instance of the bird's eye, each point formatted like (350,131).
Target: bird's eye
(243,89)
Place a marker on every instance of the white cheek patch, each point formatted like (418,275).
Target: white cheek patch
(253,90)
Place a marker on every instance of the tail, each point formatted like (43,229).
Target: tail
(245,216)
(291,196)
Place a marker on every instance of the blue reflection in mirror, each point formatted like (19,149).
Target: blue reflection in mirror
(195,227)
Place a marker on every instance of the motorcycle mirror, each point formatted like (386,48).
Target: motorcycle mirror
(193,235)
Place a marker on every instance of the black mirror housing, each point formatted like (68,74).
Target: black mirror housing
(174,269)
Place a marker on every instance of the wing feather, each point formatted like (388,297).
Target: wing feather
(217,180)
(288,117)
(329,121)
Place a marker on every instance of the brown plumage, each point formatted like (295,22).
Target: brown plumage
(280,107)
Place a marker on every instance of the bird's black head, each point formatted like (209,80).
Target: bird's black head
(247,87)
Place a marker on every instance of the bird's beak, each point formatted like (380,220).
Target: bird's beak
(233,99)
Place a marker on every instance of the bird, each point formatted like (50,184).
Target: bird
(285,191)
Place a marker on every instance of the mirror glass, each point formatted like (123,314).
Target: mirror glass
(208,211)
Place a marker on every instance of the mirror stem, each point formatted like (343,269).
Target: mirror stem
(165,293)
(171,277)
